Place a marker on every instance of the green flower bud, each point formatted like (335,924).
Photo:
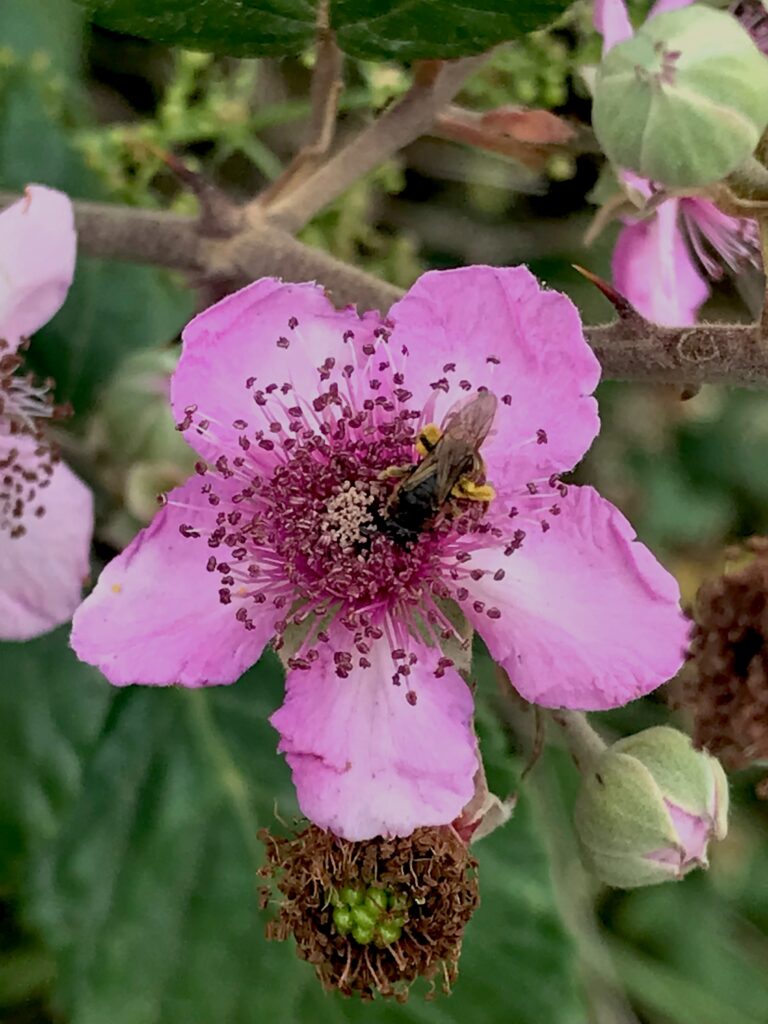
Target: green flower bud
(685,101)
(365,916)
(648,808)
(133,434)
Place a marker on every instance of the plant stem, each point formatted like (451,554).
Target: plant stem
(709,353)
(583,742)
(403,122)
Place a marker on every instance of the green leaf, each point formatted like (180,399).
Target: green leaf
(371,29)
(52,706)
(112,309)
(137,812)
(417,29)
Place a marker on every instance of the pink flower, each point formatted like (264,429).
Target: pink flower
(297,410)
(45,511)
(663,262)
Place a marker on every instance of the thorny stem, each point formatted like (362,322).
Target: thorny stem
(583,742)
(628,349)
(709,353)
(399,125)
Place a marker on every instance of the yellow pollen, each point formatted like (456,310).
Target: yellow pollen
(117,588)
(431,435)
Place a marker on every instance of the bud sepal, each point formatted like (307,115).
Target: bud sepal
(648,808)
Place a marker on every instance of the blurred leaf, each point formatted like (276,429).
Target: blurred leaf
(52,706)
(112,308)
(372,29)
(137,812)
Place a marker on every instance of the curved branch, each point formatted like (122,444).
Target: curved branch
(630,348)
(403,122)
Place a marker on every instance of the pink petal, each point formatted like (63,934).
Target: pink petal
(612,22)
(42,572)
(267,333)
(504,332)
(155,616)
(654,268)
(37,261)
(584,616)
(365,761)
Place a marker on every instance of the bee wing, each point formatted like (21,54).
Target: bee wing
(454,458)
(472,422)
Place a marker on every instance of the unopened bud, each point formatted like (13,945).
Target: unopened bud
(648,808)
(139,449)
(684,101)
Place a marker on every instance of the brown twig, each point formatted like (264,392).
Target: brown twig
(709,353)
(403,122)
(325,90)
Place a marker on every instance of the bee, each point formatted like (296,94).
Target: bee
(451,466)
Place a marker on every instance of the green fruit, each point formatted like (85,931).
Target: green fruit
(685,101)
(342,919)
(376,896)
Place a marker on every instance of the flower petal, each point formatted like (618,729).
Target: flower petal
(42,572)
(612,22)
(365,761)
(654,268)
(588,618)
(37,261)
(155,616)
(503,331)
(268,333)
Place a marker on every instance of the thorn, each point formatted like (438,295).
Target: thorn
(219,217)
(622,305)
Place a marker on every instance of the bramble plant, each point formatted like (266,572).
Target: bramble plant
(300,459)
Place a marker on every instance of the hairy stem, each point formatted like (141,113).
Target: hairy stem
(583,742)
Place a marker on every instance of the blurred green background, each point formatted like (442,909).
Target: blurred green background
(128,818)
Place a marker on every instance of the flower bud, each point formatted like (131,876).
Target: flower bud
(140,452)
(648,808)
(685,101)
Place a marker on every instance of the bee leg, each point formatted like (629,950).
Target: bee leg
(427,439)
(469,490)
(392,472)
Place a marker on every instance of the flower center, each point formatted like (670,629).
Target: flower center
(350,515)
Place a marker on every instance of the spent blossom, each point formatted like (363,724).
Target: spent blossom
(663,261)
(303,416)
(45,510)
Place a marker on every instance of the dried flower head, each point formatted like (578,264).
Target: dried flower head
(373,916)
(725,682)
